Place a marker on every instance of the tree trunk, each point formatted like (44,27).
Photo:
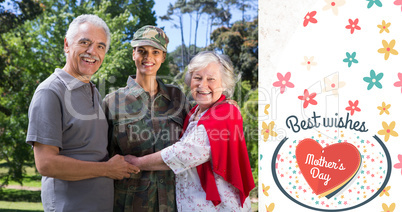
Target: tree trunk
(197,20)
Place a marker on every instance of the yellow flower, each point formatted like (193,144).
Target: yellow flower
(266,109)
(388,48)
(391,207)
(384,26)
(270,208)
(265,189)
(385,191)
(388,130)
(267,130)
(384,108)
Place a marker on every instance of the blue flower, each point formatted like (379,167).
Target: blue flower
(350,58)
(371,3)
(373,80)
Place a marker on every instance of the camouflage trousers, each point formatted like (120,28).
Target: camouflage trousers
(147,191)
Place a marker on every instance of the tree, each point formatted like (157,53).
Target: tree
(12,116)
(199,8)
(240,43)
(176,10)
(34,49)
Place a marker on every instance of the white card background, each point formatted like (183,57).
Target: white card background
(283,43)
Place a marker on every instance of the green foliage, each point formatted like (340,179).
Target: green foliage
(240,43)
(249,111)
(19,195)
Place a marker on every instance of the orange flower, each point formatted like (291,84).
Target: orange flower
(384,26)
(388,130)
(266,109)
(384,108)
(391,207)
(270,208)
(385,191)
(267,130)
(265,189)
(388,48)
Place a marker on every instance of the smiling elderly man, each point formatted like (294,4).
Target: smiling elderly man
(68,130)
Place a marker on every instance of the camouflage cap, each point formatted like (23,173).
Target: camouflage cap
(150,36)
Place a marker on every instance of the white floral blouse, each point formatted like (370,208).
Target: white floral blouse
(192,150)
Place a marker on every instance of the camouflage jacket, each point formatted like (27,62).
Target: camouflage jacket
(139,125)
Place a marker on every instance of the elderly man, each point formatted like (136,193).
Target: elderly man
(68,130)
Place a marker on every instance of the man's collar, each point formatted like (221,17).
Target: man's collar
(70,81)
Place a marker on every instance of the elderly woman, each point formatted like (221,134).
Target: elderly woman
(211,161)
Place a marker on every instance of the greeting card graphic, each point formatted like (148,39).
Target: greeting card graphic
(330,97)
(327,169)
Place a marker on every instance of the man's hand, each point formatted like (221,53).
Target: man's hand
(233,102)
(118,168)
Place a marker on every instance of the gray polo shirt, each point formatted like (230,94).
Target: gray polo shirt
(64,113)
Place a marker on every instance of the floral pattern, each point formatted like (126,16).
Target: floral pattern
(391,207)
(353,25)
(308,98)
(353,107)
(333,84)
(283,82)
(384,27)
(388,130)
(350,58)
(270,208)
(399,83)
(309,18)
(388,49)
(266,109)
(267,130)
(398,3)
(333,5)
(384,108)
(265,189)
(399,165)
(373,80)
(372,2)
(308,62)
(385,191)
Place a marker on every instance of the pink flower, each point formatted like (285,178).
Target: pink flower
(399,165)
(308,98)
(353,107)
(399,83)
(309,18)
(398,2)
(283,82)
(353,25)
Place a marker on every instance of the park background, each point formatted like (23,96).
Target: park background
(31,47)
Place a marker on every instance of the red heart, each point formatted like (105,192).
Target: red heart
(327,169)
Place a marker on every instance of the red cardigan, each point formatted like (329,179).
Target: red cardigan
(224,126)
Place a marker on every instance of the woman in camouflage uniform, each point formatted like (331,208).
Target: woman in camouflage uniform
(145,117)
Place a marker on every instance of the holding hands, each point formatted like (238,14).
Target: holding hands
(119,168)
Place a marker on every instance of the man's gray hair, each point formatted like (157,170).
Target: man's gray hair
(203,59)
(87,18)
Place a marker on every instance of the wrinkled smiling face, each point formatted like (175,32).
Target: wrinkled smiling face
(87,51)
(206,85)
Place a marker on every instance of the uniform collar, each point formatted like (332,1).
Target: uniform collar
(136,90)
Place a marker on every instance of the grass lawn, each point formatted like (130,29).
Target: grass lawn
(20,206)
(21,200)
